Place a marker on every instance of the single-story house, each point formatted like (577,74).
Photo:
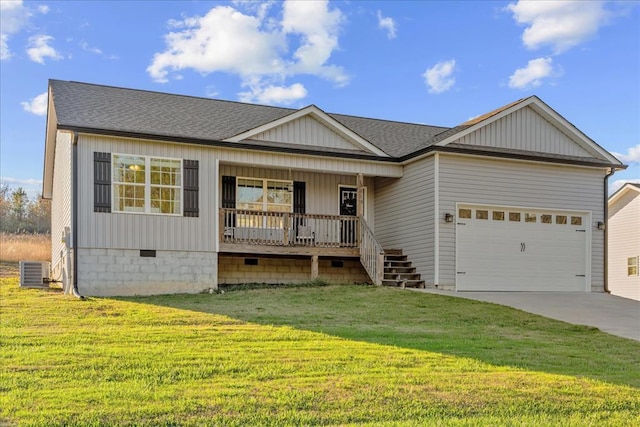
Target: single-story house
(623,262)
(161,193)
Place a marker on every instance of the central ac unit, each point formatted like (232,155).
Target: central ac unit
(34,274)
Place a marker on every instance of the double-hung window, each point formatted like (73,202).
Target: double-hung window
(265,195)
(144,184)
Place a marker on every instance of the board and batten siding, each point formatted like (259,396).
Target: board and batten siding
(624,242)
(405,214)
(524,129)
(305,131)
(322,194)
(472,180)
(146,231)
(61,200)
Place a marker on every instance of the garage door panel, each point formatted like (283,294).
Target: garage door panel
(505,255)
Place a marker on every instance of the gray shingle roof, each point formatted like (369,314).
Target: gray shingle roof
(90,106)
(155,115)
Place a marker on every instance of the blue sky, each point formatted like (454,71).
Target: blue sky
(438,63)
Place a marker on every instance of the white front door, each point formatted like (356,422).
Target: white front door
(517,249)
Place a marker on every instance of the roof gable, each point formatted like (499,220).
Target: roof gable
(627,188)
(309,126)
(528,125)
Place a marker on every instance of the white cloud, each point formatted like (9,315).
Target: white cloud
(617,184)
(43,9)
(632,156)
(85,46)
(255,46)
(559,24)
(222,40)
(387,24)
(270,94)
(532,75)
(37,105)
(5,53)
(13,182)
(39,48)
(13,17)
(210,91)
(318,28)
(439,78)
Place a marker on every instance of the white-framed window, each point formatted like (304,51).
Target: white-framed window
(266,195)
(145,184)
(632,266)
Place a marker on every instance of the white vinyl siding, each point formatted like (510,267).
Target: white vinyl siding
(159,232)
(305,131)
(405,215)
(117,231)
(624,243)
(524,129)
(473,180)
(61,197)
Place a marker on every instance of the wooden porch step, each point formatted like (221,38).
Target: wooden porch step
(399,272)
(408,276)
(393,251)
(405,283)
(396,258)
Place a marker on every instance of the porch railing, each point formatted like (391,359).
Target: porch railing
(288,229)
(371,253)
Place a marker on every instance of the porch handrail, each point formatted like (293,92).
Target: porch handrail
(288,229)
(371,253)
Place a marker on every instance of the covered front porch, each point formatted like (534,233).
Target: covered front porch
(315,210)
(311,236)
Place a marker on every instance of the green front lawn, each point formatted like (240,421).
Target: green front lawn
(335,355)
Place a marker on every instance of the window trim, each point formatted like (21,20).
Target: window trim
(265,202)
(147,185)
(633,265)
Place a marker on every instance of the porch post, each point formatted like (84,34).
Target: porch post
(314,267)
(360,204)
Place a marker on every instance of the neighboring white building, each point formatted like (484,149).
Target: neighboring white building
(624,242)
(161,193)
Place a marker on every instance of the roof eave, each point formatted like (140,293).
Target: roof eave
(224,144)
(517,156)
(626,188)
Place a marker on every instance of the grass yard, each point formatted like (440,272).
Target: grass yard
(333,355)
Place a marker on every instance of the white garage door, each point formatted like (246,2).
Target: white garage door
(515,249)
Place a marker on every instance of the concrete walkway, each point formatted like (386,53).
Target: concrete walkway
(611,314)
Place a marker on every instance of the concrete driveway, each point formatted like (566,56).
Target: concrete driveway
(611,314)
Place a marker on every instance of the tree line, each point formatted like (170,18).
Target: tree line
(21,214)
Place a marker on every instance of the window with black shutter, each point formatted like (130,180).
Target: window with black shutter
(191,188)
(101,182)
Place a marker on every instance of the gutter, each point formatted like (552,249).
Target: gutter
(74,213)
(606,230)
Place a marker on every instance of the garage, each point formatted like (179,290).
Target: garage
(520,249)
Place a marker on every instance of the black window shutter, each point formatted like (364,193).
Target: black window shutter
(101,182)
(229,192)
(191,188)
(299,197)
(229,199)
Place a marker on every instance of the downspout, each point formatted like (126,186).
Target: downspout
(74,220)
(606,229)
